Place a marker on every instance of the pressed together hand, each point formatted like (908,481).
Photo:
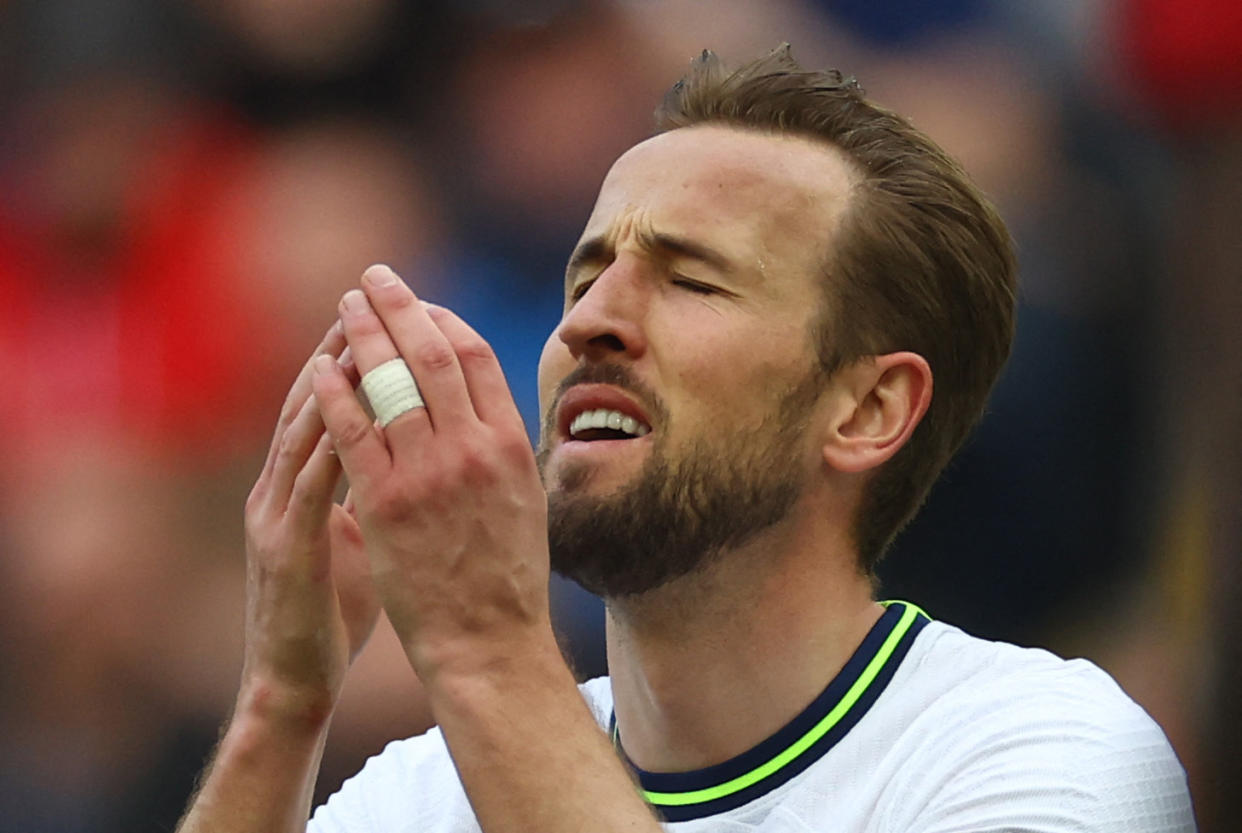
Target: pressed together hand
(445,527)
(448,496)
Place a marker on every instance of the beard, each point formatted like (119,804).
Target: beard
(681,512)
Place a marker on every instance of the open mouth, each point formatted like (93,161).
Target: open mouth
(606,424)
(600,413)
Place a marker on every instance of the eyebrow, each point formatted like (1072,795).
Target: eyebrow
(597,249)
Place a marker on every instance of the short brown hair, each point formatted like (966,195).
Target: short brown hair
(922,261)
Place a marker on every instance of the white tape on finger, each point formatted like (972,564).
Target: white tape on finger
(391,390)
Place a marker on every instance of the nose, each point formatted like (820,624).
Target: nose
(608,321)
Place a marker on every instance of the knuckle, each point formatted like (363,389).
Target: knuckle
(515,447)
(475,470)
(367,324)
(351,433)
(286,452)
(398,300)
(478,465)
(434,355)
(476,351)
(393,507)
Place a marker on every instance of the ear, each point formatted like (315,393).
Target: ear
(881,401)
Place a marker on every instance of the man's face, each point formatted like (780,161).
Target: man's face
(680,385)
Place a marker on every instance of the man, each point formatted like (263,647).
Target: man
(739,417)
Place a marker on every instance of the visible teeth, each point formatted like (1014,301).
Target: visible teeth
(605,418)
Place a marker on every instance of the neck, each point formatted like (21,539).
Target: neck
(713,663)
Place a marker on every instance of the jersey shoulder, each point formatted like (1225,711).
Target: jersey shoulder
(993,729)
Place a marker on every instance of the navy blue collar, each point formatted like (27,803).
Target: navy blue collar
(681,796)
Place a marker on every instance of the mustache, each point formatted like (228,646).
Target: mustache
(601,374)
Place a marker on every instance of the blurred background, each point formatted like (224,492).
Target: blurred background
(187,187)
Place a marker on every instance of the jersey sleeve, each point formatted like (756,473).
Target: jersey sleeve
(1075,757)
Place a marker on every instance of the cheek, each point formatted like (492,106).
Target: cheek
(726,382)
(555,363)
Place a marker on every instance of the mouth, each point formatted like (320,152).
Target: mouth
(606,424)
(596,413)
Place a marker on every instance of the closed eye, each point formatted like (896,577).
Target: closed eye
(580,290)
(695,286)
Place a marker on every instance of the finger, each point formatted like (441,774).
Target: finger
(332,344)
(358,442)
(295,447)
(485,380)
(370,346)
(427,351)
(346,362)
(311,498)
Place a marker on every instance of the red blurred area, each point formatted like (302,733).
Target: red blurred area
(123,305)
(1185,58)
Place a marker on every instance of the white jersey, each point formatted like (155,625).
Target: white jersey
(925,730)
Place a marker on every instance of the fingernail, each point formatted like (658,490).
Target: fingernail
(324,365)
(379,275)
(355,301)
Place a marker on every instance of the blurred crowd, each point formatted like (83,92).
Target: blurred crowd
(187,187)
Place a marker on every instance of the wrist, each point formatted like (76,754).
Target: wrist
(286,710)
(478,665)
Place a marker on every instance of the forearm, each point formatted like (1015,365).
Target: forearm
(529,752)
(310,607)
(264,771)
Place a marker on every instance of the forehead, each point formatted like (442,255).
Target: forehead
(755,194)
